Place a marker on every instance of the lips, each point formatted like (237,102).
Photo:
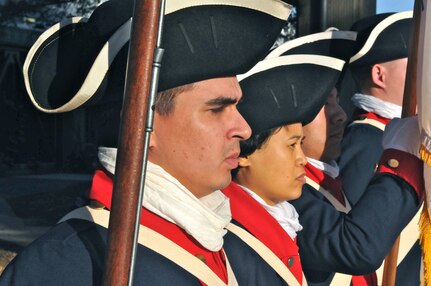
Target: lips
(301,178)
(232,160)
(338,134)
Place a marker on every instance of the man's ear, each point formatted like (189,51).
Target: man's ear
(378,75)
(153,140)
(244,162)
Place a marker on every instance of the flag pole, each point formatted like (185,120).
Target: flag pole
(131,157)
(410,90)
(408,109)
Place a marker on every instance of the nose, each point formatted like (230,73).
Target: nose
(340,115)
(240,128)
(302,160)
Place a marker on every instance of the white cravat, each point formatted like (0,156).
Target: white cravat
(330,169)
(205,219)
(373,104)
(284,213)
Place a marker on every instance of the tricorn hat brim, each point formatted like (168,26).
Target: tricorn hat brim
(382,38)
(70,62)
(288,89)
(336,44)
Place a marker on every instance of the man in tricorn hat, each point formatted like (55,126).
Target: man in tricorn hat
(337,238)
(194,146)
(379,69)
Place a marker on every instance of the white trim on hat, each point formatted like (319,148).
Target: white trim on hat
(96,73)
(278,9)
(267,64)
(376,32)
(337,35)
(35,47)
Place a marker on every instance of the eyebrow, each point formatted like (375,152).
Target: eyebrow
(297,137)
(221,101)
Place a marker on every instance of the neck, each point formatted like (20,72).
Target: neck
(384,96)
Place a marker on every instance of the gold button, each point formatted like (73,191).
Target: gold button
(201,258)
(393,163)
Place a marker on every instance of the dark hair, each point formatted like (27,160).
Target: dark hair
(255,142)
(165,101)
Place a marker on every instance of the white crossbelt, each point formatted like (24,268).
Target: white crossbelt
(266,255)
(334,202)
(370,121)
(162,245)
(339,279)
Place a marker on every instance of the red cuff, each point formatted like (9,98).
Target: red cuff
(406,166)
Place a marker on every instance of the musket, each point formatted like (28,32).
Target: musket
(408,109)
(144,60)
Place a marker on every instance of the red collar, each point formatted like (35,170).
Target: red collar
(371,115)
(101,191)
(330,184)
(250,214)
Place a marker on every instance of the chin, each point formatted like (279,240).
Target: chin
(297,195)
(227,183)
(223,183)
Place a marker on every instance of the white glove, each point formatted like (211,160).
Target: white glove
(403,134)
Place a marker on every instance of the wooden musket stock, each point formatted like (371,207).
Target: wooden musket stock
(131,142)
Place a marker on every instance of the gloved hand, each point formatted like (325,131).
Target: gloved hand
(403,134)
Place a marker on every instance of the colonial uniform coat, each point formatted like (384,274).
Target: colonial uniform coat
(76,248)
(357,242)
(249,267)
(361,150)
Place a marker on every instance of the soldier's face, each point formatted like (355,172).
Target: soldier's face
(198,143)
(324,134)
(275,171)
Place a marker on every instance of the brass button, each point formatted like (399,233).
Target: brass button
(290,261)
(393,163)
(201,258)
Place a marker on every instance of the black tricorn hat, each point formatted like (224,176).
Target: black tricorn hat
(69,64)
(334,43)
(382,37)
(287,89)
